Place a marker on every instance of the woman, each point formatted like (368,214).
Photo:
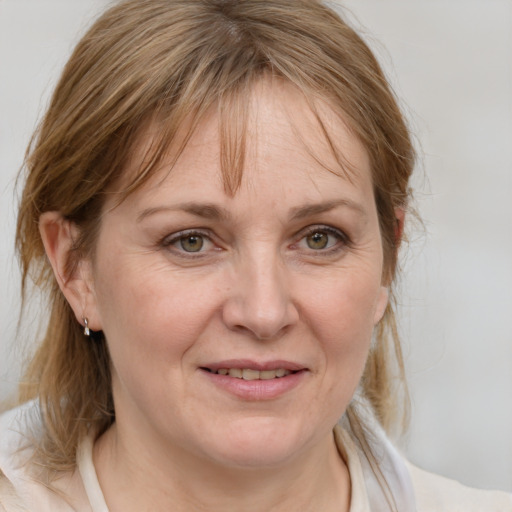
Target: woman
(214,203)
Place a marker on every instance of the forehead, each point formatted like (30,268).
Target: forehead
(274,127)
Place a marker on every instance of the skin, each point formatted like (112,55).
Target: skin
(263,287)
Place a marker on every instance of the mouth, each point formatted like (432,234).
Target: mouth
(251,373)
(251,380)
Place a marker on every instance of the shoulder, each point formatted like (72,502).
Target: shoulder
(435,493)
(10,501)
(24,486)
(14,426)
(381,471)
(17,427)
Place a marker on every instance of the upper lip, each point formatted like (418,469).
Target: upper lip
(255,365)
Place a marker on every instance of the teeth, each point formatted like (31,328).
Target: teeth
(250,374)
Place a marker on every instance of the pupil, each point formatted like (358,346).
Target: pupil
(192,243)
(317,241)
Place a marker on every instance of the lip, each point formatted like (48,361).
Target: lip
(255,365)
(255,390)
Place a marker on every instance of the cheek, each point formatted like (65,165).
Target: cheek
(150,329)
(146,311)
(341,319)
(342,315)
(349,301)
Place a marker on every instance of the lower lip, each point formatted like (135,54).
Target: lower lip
(256,389)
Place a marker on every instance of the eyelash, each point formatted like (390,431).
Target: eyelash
(170,242)
(342,240)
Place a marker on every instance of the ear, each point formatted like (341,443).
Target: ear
(383,298)
(399,227)
(76,283)
(382,302)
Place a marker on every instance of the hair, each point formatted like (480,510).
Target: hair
(168,62)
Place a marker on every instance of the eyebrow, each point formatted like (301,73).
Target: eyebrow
(302,212)
(214,212)
(205,210)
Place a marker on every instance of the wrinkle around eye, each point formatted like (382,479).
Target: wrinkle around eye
(335,241)
(176,244)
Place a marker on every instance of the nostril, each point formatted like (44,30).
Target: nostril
(260,306)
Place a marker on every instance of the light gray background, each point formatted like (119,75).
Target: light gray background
(451,63)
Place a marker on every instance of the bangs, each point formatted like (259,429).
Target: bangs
(170,130)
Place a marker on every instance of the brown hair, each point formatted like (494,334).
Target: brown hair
(168,61)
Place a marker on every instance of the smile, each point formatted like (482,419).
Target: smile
(251,374)
(252,380)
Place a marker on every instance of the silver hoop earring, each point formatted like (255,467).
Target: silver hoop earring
(87,331)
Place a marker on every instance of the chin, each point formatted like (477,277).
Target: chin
(258,443)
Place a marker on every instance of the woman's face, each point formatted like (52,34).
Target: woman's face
(239,326)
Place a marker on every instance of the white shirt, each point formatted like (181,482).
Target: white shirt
(412,489)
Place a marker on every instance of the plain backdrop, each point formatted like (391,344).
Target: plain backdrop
(451,65)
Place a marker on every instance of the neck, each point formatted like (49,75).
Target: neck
(139,478)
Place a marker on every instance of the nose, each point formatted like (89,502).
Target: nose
(260,299)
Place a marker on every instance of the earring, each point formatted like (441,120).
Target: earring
(87,331)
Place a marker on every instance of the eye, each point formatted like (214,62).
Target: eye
(322,239)
(188,243)
(191,243)
(317,240)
